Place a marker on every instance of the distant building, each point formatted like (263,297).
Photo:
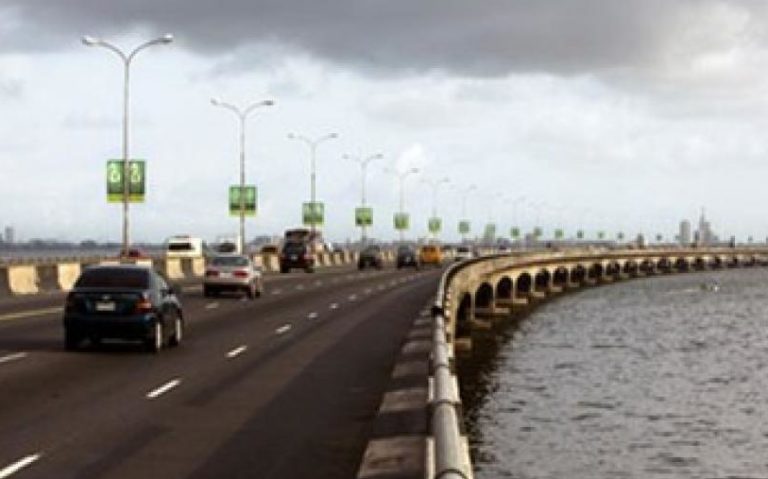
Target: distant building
(685,232)
(10,236)
(704,235)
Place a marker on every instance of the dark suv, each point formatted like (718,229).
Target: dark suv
(370,257)
(123,302)
(406,256)
(297,255)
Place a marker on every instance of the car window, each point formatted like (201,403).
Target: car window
(179,246)
(229,261)
(134,278)
(293,248)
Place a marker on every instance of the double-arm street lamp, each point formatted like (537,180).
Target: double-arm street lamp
(242,115)
(313,144)
(363,162)
(127,59)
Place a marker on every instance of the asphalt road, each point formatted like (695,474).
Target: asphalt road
(284,386)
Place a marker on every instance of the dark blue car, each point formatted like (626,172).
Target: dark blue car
(127,302)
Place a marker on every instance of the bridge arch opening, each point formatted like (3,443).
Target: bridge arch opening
(630,267)
(542,280)
(578,274)
(613,269)
(699,263)
(682,265)
(733,261)
(560,278)
(664,265)
(524,284)
(504,288)
(648,267)
(716,262)
(464,315)
(596,271)
(484,296)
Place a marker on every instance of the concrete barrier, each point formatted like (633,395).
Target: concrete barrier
(270,262)
(338,259)
(47,278)
(68,274)
(22,279)
(187,267)
(198,267)
(323,260)
(171,268)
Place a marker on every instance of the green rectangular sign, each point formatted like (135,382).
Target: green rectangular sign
(364,216)
(402,221)
(580,234)
(313,213)
(601,235)
(537,232)
(464,227)
(514,232)
(620,236)
(559,234)
(490,232)
(137,176)
(249,198)
(435,225)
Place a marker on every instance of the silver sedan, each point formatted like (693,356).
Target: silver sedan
(232,272)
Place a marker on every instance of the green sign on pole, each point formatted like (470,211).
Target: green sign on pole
(490,232)
(601,235)
(620,236)
(464,227)
(435,224)
(559,234)
(514,232)
(580,234)
(313,213)
(250,200)
(659,237)
(402,221)
(137,176)
(537,232)
(364,216)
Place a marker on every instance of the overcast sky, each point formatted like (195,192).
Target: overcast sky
(626,115)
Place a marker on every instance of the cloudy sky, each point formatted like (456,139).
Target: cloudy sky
(621,116)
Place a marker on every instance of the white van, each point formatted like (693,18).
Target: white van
(184,247)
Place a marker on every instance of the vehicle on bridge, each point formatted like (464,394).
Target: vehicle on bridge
(232,272)
(371,257)
(184,246)
(463,253)
(295,254)
(430,254)
(406,256)
(127,302)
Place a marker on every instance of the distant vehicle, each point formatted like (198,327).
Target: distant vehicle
(133,253)
(297,254)
(503,249)
(232,272)
(270,249)
(406,256)
(228,247)
(430,254)
(126,302)
(371,257)
(464,253)
(313,240)
(184,247)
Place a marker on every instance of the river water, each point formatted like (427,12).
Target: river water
(652,378)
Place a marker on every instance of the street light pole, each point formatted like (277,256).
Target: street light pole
(401,176)
(312,144)
(242,115)
(363,162)
(127,59)
(435,186)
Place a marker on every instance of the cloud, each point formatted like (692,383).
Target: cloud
(488,38)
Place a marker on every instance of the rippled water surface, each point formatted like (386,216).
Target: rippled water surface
(653,378)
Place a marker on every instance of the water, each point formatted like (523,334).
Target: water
(654,378)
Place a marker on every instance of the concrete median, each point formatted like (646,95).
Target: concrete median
(47,278)
(67,275)
(22,279)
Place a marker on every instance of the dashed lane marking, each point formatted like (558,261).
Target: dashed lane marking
(12,357)
(318,283)
(334,306)
(352,297)
(211,305)
(276,292)
(283,329)
(237,351)
(368,291)
(155,393)
(299,287)
(312,315)
(29,314)
(12,469)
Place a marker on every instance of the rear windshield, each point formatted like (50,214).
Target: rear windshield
(293,247)
(229,261)
(179,246)
(133,278)
(462,249)
(371,249)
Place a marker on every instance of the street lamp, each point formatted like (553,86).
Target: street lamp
(126,59)
(401,176)
(435,184)
(363,162)
(312,144)
(242,115)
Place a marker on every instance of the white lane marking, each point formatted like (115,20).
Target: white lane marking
(350,276)
(299,287)
(12,357)
(237,351)
(276,292)
(368,291)
(334,306)
(318,283)
(382,287)
(27,314)
(335,280)
(211,305)
(312,315)
(11,469)
(163,389)
(283,329)
(352,297)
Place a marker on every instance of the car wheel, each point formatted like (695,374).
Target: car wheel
(155,342)
(178,331)
(71,340)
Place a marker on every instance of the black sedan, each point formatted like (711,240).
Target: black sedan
(406,256)
(126,302)
(370,257)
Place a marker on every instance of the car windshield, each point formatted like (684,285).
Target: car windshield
(229,261)
(179,246)
(133,278)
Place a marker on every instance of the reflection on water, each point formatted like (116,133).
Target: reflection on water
(644,379)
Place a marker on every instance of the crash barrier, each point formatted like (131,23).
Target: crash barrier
(475,290)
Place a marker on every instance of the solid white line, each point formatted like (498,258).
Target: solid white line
(368,291)
(352,297)
(318,283)
(27,314)
(8,471)
(312,315)
(211,305)
(277,291)
(334,305)
(163,389)
(283,329)
(299,287)
(12,357)
(236,352)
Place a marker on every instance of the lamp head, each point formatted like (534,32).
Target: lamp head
(89,40)
(167,38)
(215,101)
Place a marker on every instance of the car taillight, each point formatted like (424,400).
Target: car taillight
(144,305)
(211,272)
(240,274)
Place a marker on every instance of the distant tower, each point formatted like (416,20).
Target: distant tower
(706,237)
(9,234)
(685,232)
